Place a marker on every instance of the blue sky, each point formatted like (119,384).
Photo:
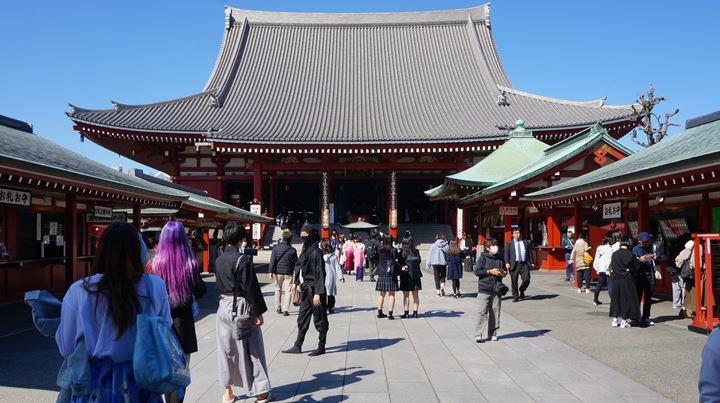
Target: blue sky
(89,52)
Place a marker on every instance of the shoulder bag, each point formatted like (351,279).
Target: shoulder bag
(295,292)
(686,272)
(159,363)
(242,324)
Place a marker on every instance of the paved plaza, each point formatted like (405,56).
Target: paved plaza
(562,350)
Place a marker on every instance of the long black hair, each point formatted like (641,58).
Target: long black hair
(118,260)
(408,249)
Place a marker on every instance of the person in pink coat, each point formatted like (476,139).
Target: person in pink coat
(349,248)
(359,257)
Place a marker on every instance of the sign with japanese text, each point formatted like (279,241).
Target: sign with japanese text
(91,218)
(508,210)
(16,197)
(612,210)
(460,228)
(256,228)
(102,212)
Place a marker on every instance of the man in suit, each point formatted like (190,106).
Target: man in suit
(518,261)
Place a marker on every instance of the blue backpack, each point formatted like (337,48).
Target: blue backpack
(159,363)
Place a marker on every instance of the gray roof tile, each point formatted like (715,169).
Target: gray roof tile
(338,78)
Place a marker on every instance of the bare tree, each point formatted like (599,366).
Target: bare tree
(653,125)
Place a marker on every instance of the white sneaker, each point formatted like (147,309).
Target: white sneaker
(648,322)
(615,322)
(587,290)
(579,290)
(494,336)
(624,324)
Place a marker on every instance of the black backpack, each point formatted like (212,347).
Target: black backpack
(372,251)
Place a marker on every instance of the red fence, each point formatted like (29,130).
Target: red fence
(707,281)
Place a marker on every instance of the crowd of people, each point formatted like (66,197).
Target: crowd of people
(629,270)
(100,310)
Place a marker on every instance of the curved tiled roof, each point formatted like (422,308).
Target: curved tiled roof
(370,78)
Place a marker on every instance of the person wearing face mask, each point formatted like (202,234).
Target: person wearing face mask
(490,270)
(313,295)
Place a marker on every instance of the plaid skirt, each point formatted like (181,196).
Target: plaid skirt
(386,283)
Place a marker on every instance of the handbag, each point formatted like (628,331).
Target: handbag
(242,324)
(295,292)
(159,363)
(587,258)
(500,288)
(686,272)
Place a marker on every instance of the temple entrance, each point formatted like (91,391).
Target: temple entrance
(360,199)
(414,206)
(298,202)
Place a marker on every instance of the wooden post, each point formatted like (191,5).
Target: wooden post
(257,181)
(553,230)
(705,214)
(643,206)
(71,239)
(481,230)
(137,211)
(577,220)
(271,196)
(206,252)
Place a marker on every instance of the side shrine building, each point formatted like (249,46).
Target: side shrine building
(339,117)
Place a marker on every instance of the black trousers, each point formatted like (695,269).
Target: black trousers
(602,281)
(439,271)
(456,285)
(330,301)
(644,288)
(317,314)
(522,270)
(583,275)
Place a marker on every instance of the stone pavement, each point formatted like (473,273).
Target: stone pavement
(429,359)
(554,347)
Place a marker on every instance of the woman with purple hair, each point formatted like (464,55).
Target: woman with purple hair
(175,263)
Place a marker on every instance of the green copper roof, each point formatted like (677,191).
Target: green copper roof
(517,152)
(688,150)
(550,158)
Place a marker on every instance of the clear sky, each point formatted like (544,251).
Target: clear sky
(90,52)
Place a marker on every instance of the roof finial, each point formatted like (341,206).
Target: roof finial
(71,109)
(502,99)
(228,18)
(520,124)
(520,130)
(214,101)
(115,106)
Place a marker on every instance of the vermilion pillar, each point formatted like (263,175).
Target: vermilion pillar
(71,239)
(643,206)
(577,220)
(507,219)
(481,231)
(206,252)
(257,181)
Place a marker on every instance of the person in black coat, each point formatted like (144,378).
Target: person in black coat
(518,261)
(282,266)
(313,298)
(410,276)
(624,302)
(490,270)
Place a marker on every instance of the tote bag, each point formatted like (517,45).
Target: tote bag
(159,363)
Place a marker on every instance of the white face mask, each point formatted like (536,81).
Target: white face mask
(494,249)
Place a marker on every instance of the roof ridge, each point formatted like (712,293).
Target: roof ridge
(597,103)
(478,13)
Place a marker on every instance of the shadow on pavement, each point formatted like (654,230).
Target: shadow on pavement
(441,314)
(363,345)
(666,318)
(347,309)
(540,297)
(321,381)
(526,333)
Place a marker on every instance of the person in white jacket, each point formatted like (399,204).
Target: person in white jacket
(601,264)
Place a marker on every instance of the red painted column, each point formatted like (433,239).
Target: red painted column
(643,207)
(257,181)
(71,239)
(206,252)
(507,219)
(480,236)
(271,196)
